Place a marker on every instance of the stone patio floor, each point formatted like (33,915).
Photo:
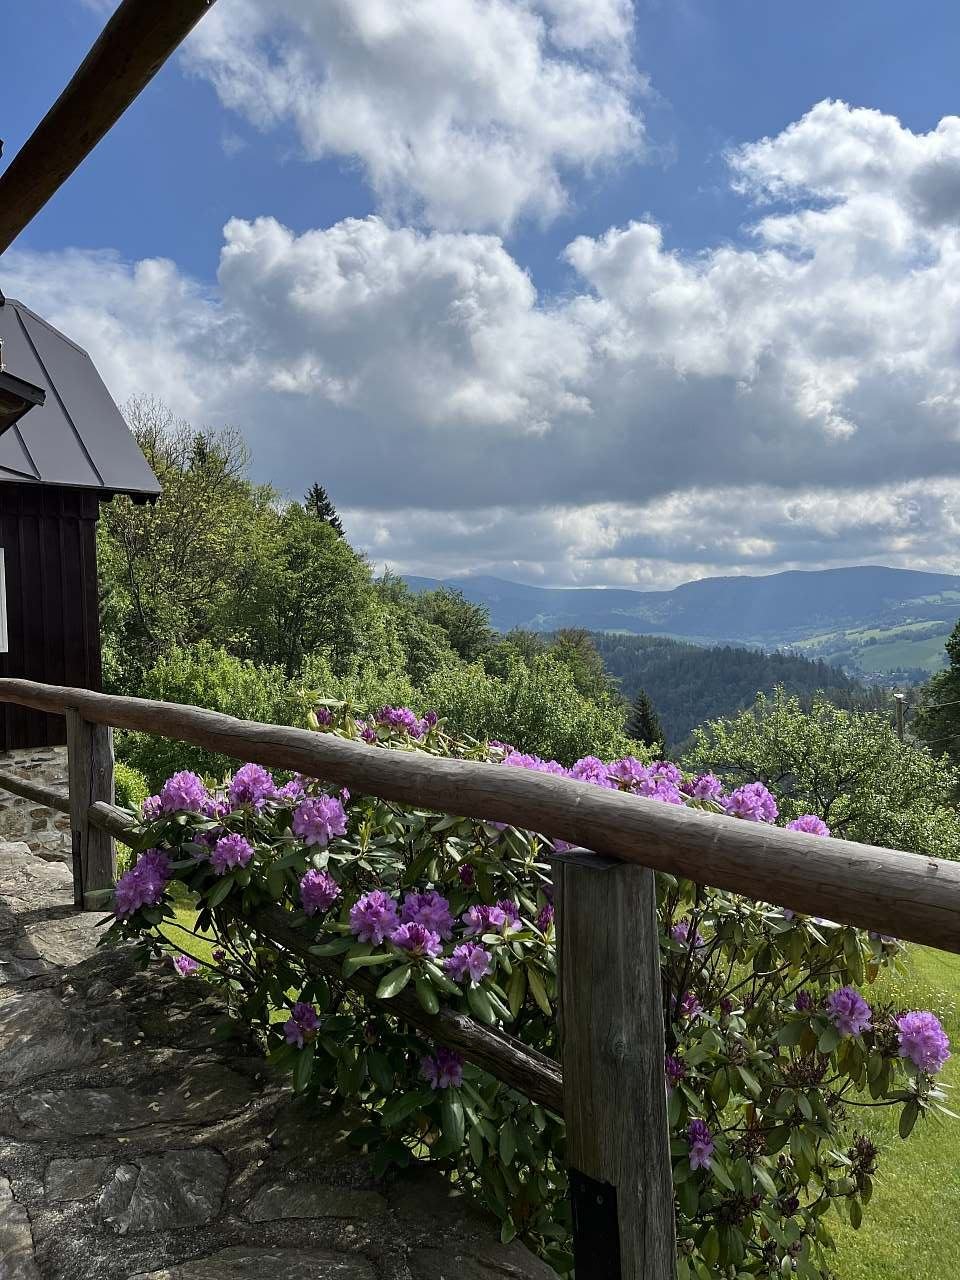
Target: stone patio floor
(135,1146)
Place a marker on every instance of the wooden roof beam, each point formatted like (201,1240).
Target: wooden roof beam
(131,49)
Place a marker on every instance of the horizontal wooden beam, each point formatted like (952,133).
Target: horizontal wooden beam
(903,894)
(48,796)
(131,49)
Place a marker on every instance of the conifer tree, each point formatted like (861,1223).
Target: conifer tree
(643,723)
(319,504)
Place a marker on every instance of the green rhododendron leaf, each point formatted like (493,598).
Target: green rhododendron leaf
(302,1068)
(427,996)
(452,1119)
(539,992)
(394,982)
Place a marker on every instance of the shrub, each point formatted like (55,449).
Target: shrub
(205,676)
(535,707)
(130,786)
(771,1045)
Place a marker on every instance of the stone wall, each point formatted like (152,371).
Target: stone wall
(46,831)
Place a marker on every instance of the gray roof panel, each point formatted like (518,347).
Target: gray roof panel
(77,438)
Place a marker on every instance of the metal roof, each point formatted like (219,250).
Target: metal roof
(77,437)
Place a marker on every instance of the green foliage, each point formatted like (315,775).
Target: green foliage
(937,717)
(316,598)
(203,676)
(467,625)
(172,572)
(644,723)
(536,708)
(131,786)
(754,1055)
(690,683)
(847,767)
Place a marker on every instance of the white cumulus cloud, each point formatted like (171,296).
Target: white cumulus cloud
(469,113)
(790,400)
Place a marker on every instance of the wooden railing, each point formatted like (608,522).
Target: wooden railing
(611,1087)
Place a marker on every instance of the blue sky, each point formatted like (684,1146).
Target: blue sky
(163,184)
(683,86)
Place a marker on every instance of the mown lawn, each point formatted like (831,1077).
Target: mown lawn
(911,1228)
(178,937)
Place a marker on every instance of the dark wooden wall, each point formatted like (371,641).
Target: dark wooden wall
(50,549)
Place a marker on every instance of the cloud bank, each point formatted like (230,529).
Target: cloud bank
(788,401)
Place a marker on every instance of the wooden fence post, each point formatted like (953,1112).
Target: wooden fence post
(612,1052)
(90,761)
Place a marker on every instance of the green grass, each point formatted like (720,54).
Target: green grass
(180,934)
(928,654)
(911,1228)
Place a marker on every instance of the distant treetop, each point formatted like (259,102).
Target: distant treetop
(318,503)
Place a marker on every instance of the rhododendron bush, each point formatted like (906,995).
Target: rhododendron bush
(773,1043)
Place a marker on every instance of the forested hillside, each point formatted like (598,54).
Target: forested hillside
(689,684)
(888,624)
(225,595)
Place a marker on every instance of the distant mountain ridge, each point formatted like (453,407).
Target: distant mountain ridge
(837,614)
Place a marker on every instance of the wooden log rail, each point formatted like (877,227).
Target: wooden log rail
(611,1087)
(903,894)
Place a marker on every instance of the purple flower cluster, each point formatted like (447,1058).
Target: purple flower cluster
(753,802)
(432,910)
(374,917)
(143,884)
(522,760)
(302,1025)
(501,918)
(591,769)
(230,851)
(403,720)
(185,965)
(923,1040)
(810,823)
(151,808)
(318,819)
(658,781)
(425,922)
(545,917)
(681,933)
(444,1069)
(318,892)
(416,939)
(251,785)
(469,961)
(675,1070)
(707,787)
(848,1011)
(700,1141)
(184,792)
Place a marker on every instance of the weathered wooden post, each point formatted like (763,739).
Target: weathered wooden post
(90,761)
(612,1051)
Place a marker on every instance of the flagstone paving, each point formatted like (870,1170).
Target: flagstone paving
(134,1145)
